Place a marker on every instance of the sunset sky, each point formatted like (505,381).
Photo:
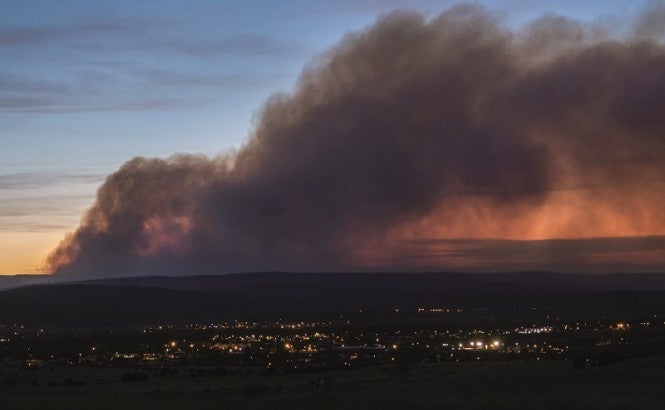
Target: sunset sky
(85,86)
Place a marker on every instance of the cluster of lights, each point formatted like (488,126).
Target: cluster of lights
(479,344)
(534,330)
(440,310)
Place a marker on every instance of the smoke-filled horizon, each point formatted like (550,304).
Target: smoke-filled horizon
(413,130)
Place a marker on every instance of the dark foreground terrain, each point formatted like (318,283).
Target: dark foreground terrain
(347,341)
(635,383)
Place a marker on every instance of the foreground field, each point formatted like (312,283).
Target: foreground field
(634,383)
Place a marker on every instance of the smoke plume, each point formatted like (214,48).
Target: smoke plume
(453,127)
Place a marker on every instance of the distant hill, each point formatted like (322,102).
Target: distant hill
(138,300)
(451,282)
(454,282)
(15,281)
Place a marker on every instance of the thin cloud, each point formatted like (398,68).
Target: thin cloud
(123,34)
(85,81)
(148,104)
(166,78)
(44,201)
(76,30)
(23,84)
(26,103)
(240,45)
(30,180)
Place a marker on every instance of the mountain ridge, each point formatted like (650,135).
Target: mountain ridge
(138,300)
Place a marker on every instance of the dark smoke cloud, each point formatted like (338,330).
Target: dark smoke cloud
(454,127)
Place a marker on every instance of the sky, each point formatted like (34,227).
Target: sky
(87,85)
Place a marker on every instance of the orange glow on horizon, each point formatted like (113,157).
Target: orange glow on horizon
(24,252)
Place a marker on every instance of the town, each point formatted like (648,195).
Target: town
(343,342)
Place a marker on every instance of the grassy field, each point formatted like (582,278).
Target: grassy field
(637,383)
